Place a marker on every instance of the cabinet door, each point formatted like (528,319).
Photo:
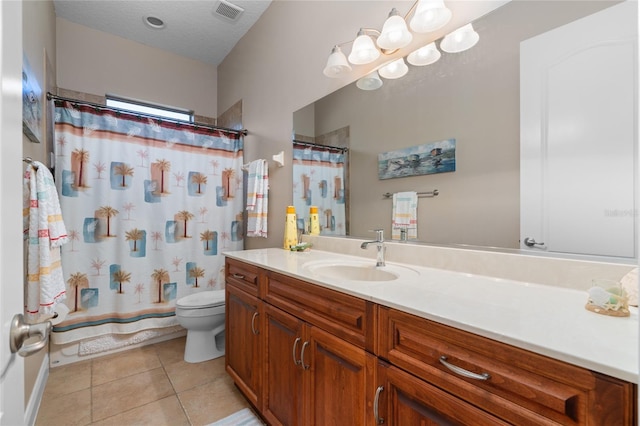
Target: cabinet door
(283,373)
(243,341)
(341,381)
(403,399)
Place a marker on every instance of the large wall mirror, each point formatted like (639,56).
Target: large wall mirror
(472,97)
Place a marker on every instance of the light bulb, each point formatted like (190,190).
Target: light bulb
(363,50)
(395,34)
(430,15)
(337,64)
(394,69)
(370,81)
(460,40)
(426,55)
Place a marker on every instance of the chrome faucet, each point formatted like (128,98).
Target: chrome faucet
(379,241)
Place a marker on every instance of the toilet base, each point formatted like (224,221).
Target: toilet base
(204,345)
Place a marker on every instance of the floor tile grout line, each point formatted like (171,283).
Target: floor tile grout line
(175,393)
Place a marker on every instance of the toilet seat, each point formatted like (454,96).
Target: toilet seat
(201,300)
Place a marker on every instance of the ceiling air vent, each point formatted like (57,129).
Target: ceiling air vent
(227,10)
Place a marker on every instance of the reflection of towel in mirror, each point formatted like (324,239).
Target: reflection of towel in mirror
(257,198)
(404,215)
(45,232)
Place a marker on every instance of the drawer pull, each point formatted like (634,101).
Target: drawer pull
(304,346)
(376,407)
(462,371)
(295,345)
(253,324)
(238,276)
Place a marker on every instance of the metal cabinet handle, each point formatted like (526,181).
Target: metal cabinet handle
(295,345)
(530,242)
(253,327)
(21,331)
(462,371)
(376,402)
(238,276)
(304,346)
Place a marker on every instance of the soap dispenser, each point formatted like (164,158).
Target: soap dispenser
(314,223)
(290,228)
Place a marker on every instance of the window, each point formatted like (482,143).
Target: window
(150,109)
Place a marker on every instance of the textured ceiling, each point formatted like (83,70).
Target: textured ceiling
(191,27)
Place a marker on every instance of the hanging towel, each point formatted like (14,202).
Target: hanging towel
(405,215)
(45,232)
(257,199)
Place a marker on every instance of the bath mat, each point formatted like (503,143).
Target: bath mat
(244,417)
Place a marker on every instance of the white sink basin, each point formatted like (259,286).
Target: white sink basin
(358,271)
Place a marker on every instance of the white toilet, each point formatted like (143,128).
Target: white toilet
(202,314)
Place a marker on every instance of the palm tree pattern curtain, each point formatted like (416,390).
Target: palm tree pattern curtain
(318,180)
(149,206)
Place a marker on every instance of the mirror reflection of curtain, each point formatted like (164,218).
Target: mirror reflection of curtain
(319,180)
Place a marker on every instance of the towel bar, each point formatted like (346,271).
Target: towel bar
(433,193)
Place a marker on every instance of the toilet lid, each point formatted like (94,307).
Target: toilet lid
(202,299)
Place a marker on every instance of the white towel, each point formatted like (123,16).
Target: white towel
(257,198)
(405,215)
(46,233)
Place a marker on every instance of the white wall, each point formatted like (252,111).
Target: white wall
(38,36)
(276,69)
(95,62)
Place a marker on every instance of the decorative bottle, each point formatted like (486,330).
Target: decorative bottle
(314,223)
(290,228)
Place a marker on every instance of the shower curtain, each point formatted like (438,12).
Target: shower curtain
(319,180)
(149,206)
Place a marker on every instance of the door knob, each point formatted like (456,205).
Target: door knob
(21,331)
(530,242)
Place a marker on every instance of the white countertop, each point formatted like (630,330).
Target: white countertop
(547,320)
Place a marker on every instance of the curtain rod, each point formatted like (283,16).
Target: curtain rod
(50,96)
(318,145)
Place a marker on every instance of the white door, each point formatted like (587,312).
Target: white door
(578,136)
(11,274)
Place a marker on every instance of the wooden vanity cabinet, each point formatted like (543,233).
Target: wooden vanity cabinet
(517,386)
(243,331)
(403,399)
(304,354)
(312,376)
(297,351)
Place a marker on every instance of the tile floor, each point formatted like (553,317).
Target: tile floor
(152,385)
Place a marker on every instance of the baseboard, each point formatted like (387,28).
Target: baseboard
(69,353)
(31,410)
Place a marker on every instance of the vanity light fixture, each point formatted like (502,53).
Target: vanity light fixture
(427,15)
(395,34)
(426,55)
(364,51)
(370,81)
(430,15)
(460,40)
(394,69)
(337,64)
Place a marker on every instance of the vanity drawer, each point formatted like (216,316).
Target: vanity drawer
(343,315)
(242,275)
(523,387)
